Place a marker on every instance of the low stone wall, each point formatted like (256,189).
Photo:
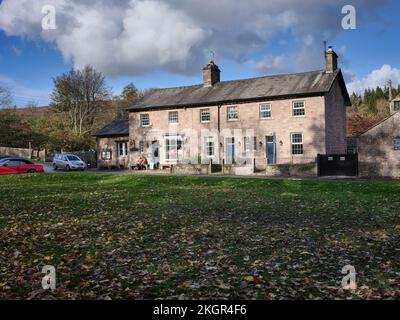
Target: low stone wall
(379,170)
(196,169)
(292,170)
(16,152)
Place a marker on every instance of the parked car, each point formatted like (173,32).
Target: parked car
(68,162)
(16,165)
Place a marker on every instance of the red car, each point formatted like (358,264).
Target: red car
(15,166)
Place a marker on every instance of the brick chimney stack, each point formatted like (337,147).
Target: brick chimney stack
(211,74)
(390,90)
(331,59)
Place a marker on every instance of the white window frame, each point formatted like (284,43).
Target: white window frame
(145,120)
(209,145)
(297,108)
(122,146)
(173,117)
(141,146)
(106,154)
(205,115)
(232,113)
(170,147)
(296,143)
(249,144)
(268,110)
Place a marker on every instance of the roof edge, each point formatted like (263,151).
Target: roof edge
(227,102)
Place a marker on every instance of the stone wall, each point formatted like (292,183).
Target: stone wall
(196,169)
(376,153)
(116,162)
(23,153)
(335,119)
(293,170)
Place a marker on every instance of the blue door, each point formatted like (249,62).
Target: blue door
(271,150)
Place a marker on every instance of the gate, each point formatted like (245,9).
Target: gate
(338,165)
(89,157)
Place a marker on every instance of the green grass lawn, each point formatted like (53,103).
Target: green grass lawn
(135,237)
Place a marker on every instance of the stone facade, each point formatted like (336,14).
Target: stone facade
(378,155)
(322,127)
(335,121)
(110,144)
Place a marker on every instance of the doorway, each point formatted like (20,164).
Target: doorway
(155,153)
(230,150)
(270,144)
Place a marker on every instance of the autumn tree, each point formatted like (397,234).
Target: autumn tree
(128,97)
(79,94)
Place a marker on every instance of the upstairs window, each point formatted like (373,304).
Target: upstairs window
(297,144)
(299,109)
(265,111)
(173,117)
(205,115)
(232,113)
(145,120)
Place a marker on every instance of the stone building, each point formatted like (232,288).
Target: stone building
(112,145)
(379,147)
(281,119)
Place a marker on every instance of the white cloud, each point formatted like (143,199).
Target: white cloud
(23,95)
(136,36)
(379,77)
(268,64)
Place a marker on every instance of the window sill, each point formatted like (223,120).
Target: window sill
(233,120)
(173,124)
(205,122)
(146,126)
(299,116)
(269,118)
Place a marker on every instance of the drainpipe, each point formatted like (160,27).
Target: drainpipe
(219,133)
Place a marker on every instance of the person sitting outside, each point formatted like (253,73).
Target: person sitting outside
(141,162)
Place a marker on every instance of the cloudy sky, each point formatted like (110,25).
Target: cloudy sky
(155,43)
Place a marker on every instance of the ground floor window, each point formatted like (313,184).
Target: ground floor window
(141,146)
(209,146)
(173,148)
(106,154)
(250,144)
(122,149)
(297,143)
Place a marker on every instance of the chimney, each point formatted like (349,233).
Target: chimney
(211,74)
(390,90)
(331,59)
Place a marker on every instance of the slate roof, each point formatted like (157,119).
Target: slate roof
(115,128)
(226,92)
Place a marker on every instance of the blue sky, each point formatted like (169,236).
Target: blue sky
(165,44)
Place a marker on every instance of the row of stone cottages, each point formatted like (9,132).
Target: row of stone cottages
(267,122)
